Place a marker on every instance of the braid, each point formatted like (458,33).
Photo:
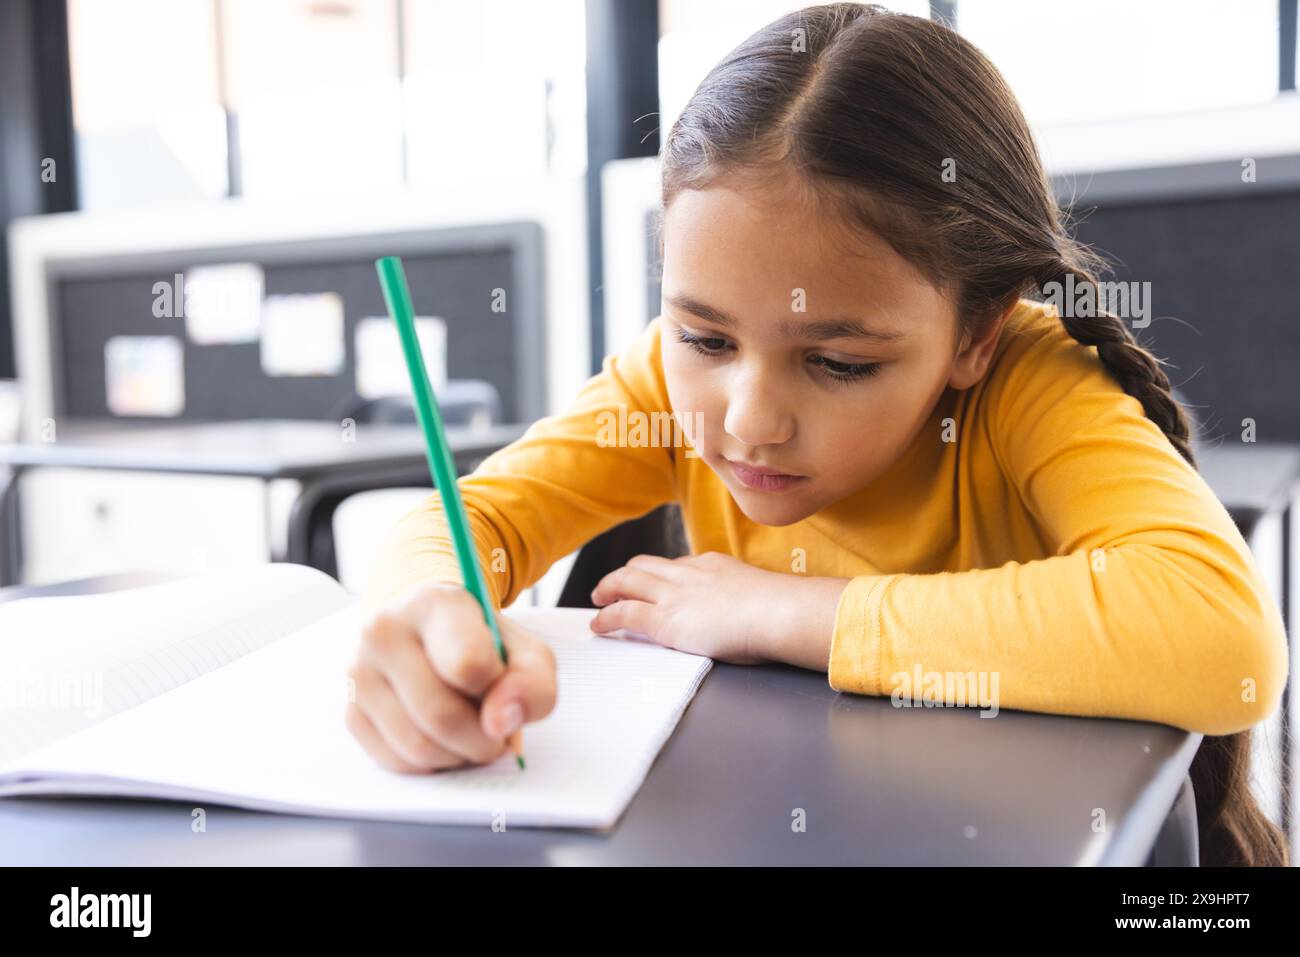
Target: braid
(1138,372)
(1233,830)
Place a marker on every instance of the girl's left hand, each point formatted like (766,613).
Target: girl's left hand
(714,605)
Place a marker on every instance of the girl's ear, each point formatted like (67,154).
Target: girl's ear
(972,360)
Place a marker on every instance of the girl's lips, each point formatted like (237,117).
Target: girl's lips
(764,482)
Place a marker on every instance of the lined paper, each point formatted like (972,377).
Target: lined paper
(68,662)
(266,732)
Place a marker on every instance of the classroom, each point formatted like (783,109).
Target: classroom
(491,433)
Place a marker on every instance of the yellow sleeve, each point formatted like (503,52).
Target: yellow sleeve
(1152,607)
(568,478)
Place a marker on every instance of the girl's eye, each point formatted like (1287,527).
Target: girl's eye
(701,344)
(836,371)
(846,371)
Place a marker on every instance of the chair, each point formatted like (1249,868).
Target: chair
(659,532)
(460,402)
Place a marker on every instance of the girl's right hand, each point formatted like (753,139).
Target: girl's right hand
(429,689)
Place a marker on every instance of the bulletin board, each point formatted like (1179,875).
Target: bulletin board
(484,282)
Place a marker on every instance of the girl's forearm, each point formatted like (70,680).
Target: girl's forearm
(801,634)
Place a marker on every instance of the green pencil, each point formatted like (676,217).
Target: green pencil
(393,281)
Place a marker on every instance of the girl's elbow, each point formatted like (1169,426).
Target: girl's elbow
(1245,669)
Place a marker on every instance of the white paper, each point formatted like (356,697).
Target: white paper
(144,375)
(381,364)
(223,303)
(67,662)
(266,732)
(302,335)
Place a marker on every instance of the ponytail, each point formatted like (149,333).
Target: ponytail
(1233,830)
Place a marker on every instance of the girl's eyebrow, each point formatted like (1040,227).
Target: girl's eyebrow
(817,329)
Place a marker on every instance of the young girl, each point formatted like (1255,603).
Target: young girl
(898,458)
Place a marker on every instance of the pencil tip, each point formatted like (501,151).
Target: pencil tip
(520,759)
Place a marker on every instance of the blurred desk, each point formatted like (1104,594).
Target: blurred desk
(123,581)
(325,459)
(1252,481)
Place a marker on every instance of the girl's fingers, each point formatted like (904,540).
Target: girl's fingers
(378,701)
(629,582)
(638,616)
(671,569)
(456,638)
(442,714)
(372,742)
(432,691)
(526,692)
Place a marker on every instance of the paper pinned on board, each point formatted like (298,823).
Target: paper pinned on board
(381,365)
(302,335)
(222,303)
(144,375)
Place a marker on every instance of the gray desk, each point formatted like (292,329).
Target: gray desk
(314,454)
(876,785)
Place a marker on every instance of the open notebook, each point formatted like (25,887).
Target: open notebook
(231,689)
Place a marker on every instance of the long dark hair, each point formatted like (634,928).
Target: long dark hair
(870,107)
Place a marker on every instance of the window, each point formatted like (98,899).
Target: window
(1075,62)
(182,100)
(506,80)
(315,90)
(146,106)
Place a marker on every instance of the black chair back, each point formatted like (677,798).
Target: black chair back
(659,532)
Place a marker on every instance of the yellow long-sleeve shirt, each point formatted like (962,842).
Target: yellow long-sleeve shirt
(1059,542)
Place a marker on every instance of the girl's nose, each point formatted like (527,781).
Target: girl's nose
(757,417)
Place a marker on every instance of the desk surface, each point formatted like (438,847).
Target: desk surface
(271,448)
(877,785)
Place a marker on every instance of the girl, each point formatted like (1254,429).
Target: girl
(898,459)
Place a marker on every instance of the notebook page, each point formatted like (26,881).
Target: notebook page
(266,732)
(69,661)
